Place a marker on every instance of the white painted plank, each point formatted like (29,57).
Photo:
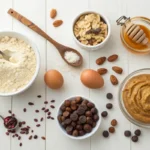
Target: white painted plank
(5,102)
(67,10)
(139,9)
(113,10)
(35,11)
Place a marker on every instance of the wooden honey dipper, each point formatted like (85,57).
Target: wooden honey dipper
(134,31)
(136,34)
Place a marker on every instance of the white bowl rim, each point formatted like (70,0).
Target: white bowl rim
(35,49)
(105,19)
(87,135)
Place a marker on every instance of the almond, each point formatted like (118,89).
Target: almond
(57,23)
(100,60)
(53,13)
(117,69)
(113,80)
(112,58)
(102,71)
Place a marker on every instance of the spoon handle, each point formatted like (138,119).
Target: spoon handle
(33,27)
(1,117)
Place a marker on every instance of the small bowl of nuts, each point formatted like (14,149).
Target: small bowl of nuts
(91,30)
(78,117)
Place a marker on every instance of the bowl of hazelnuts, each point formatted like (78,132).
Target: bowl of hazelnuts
(78,117)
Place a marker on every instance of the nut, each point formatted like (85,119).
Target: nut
(102,71)
(113,80)
(112,58)
(53,13)
(100,60)
(57,23)
(117,69)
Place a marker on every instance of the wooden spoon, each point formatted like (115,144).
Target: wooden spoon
(61,48)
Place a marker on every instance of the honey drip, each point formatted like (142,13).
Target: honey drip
(135,45)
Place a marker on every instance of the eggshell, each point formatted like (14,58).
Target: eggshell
(53,79)
(92,79)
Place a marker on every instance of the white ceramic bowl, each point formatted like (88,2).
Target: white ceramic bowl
(87,135)
(29,41)
(100,45)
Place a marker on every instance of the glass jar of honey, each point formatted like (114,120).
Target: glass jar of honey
(144,24)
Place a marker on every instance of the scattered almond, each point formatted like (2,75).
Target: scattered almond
(113,80)
(57,23)
(117,69)
(100,60)
(102,71)
(53,13)
(112,58)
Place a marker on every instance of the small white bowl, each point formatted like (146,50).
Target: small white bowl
(98,46)
(87,135)
(34,47)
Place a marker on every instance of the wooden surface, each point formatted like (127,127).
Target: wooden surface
(38,12)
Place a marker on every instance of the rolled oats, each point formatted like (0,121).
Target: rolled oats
(90,29)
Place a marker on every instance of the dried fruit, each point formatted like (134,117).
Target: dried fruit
(137,132)
(105,134)
(117,69)
(113,80)
(109,106)
(52,101)
(127,133)
(30,103)
(100,60)
(102,71)
(53,13)
(109,96)
(114,122)
(43,138)
(104,114)
(111,129)
(112,58)
(57,23)
(24,109)
(134,138)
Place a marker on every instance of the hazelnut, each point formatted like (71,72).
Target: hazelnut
(96,117)
(82,119)
(63,107)
(66,114)
(78,100)
(94,111)
(73,106)
(90,105)
(87,128)
(67,103)
(75,133)
(79,127)
(88,113)
(68,109)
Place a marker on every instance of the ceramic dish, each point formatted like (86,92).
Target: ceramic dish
(87,135)
(27,40)
(121,103)
(100,45)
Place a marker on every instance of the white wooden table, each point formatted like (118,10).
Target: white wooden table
(38,12)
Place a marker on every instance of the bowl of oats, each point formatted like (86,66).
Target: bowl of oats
(91,30)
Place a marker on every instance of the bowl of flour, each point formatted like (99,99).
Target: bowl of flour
(20,69)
